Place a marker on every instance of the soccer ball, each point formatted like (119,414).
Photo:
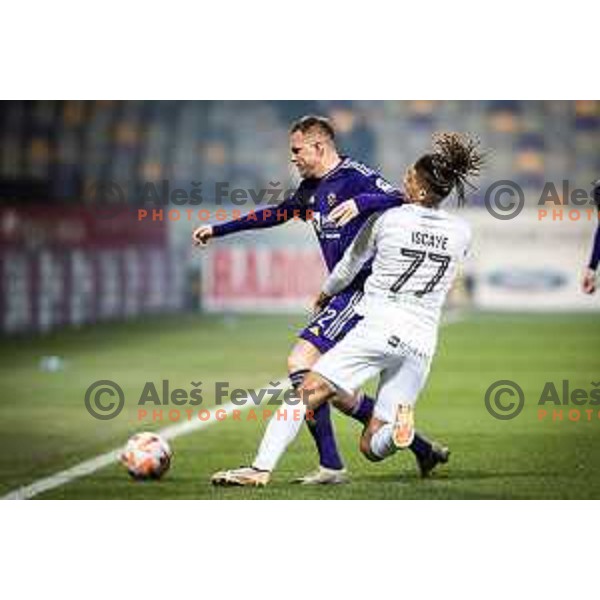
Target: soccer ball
(146,456)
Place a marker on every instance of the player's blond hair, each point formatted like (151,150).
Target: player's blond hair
(311,124)
(454,159)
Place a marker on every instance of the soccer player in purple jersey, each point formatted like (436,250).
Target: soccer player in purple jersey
(588,284)
(337,195)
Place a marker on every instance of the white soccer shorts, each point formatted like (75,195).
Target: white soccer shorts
(366,351)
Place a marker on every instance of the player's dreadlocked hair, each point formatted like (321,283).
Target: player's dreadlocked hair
(455,157)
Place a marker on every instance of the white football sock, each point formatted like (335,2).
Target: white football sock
(283,427)
(382,442)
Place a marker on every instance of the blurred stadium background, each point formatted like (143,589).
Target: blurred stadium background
(65,264)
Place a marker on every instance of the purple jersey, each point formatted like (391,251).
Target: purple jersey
(595,257)
(316,198)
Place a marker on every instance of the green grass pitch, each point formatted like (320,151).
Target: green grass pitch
(45,428)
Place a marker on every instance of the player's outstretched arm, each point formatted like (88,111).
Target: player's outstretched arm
(356,255)
(260,219)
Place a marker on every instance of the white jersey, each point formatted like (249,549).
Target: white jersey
(416,252)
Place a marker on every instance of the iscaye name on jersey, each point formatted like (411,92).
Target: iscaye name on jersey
(429,240)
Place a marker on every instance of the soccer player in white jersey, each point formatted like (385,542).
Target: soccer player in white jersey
(416,250)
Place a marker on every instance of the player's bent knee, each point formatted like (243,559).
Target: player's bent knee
(302,357)
(293,364)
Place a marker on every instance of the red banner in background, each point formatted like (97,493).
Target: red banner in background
(69,266)
(244,278)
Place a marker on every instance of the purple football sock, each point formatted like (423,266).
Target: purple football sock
(321,429)
(363,410)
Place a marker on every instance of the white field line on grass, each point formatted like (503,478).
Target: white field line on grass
(92,465)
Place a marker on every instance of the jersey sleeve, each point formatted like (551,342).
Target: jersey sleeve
(378,195)
(292,207)
(357,254)
(595,256)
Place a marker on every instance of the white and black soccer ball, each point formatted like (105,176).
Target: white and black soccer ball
(146,456)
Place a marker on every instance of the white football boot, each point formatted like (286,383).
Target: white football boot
(244,476)
(323,476)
